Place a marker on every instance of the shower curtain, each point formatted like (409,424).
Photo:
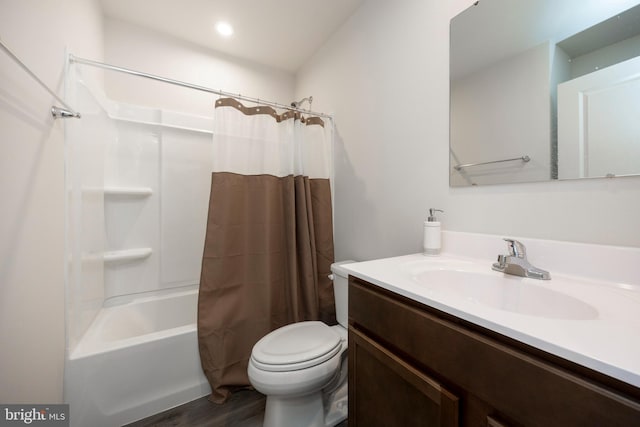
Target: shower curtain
(269,239)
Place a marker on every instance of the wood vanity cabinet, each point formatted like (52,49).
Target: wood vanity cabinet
(412,365)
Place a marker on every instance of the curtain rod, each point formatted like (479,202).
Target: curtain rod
(84,61)
(56,112)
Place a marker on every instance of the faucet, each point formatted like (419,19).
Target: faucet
(516,262)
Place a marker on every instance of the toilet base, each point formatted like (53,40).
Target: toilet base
(298,411)
(311,410)
(336,406)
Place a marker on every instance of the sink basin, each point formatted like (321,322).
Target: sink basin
(504,292)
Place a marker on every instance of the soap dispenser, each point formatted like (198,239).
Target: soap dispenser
(432,241)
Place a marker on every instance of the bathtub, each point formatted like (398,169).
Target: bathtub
(139,357)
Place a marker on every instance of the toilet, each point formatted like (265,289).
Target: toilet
(302,368)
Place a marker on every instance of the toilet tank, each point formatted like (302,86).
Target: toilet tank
(341,291)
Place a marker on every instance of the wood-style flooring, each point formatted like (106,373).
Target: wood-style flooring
(245,408)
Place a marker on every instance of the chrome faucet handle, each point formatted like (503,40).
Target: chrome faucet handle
(516,248)
(516,262)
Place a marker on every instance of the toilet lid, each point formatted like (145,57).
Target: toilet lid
(296,346)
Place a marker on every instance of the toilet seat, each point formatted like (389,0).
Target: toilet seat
(297,346)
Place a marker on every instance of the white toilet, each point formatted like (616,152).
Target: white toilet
(302,368)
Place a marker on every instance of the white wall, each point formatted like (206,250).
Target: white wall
(385,76)
(144,50)
(605,57)
(32,192)
(503,112)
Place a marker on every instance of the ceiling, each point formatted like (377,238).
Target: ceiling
(278,33)
(478,34)
(620,27)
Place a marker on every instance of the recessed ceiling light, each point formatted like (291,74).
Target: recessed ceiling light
(224,29)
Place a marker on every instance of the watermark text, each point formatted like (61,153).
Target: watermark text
(36,415)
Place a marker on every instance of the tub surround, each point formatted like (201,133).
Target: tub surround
(603,277)
(128,231)
(132,347)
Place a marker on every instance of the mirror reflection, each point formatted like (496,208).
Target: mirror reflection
(545,89)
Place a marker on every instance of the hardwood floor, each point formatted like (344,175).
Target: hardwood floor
(245,408)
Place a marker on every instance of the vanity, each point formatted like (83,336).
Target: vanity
(447,341)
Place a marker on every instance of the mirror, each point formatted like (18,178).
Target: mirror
(543,90)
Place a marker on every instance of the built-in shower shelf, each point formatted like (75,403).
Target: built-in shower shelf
(128,191)
(125,255)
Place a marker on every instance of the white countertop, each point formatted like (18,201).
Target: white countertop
(608,341)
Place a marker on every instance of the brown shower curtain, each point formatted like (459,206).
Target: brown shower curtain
(267,256)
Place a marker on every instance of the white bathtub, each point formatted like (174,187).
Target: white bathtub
(137,358)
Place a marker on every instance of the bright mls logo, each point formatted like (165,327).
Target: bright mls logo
(37,415)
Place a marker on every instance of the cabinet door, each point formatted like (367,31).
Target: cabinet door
(386,391)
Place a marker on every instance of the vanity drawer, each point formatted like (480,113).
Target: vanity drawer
(521,386)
